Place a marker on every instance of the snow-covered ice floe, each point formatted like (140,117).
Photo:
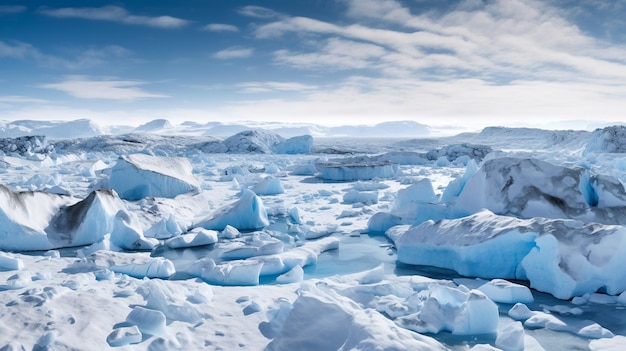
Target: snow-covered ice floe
(564,257)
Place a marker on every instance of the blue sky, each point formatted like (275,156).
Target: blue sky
(444,63)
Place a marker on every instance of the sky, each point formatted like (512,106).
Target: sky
(457,64)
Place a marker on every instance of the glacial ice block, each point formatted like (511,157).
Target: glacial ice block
(563,257)
(246,213)
(137,176)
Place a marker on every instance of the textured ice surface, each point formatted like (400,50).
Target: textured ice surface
(533,188)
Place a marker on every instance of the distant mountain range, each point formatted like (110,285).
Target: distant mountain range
(84,128)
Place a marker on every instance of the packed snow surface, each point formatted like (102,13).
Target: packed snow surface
(179,239)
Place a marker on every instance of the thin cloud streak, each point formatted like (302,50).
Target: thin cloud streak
(114,14)
(220,27)
(233,53)
(271,86)
(11,9)
(17,99)
(83,87)
(82,58)
(258,12)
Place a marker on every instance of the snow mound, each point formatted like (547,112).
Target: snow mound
(232,273)
(154,125)
(302,256)
(502,291)
(256,244)
(565,258)
(269,186)
(10,263)
(134,265)
(532,188)
(345,326)
(197,237)
(607,140)
(246,213)
(454,310)
(138,176)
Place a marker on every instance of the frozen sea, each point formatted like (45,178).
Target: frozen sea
(505,239)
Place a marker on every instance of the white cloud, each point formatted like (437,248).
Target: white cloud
(258,12)
(272,86)
(220,27)
(17,99)
(508,39)
(8,9)
(336,54)
(17,50)
(233,53)
(86,88)
(115,14)
(81,59)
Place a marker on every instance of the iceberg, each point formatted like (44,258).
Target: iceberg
(532,188)
(563,257)
(345,326)
(246,213)
(356,169)
(607,140)
(196,237)
(137,176)
(138,266)
(269,186)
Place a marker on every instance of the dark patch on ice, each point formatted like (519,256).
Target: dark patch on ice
(65,223)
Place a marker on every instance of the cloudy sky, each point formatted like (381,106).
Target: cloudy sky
(439,62)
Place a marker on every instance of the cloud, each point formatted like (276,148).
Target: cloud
(258,12)
(335,54)
(86,88)
(17,50)
(8,9)
(81,59)
(272,86)
(233,53)
(220,27)
(115,14)
(496,40)
(17,99)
